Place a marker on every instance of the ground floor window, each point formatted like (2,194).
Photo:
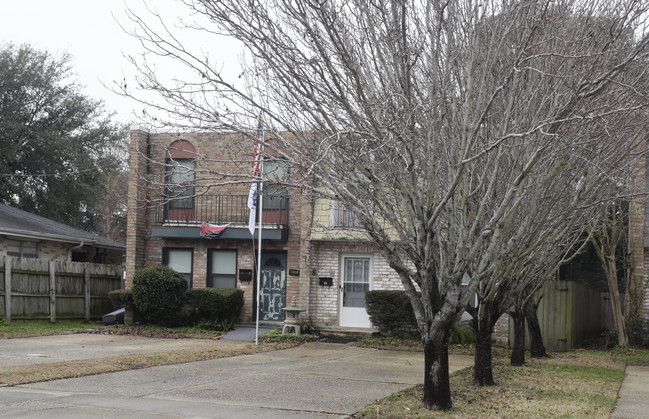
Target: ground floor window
(180,260)
(22,248)
(222,271)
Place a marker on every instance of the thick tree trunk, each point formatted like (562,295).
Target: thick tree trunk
(537,349)
(482,369)
(437,387)
(518,349)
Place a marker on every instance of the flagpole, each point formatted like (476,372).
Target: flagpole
(260,206)
(258,171)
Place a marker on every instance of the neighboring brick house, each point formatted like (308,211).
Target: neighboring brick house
(23,234)
(638,290)
(313,254)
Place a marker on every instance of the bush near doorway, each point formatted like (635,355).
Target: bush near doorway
(391,313)
(212,306)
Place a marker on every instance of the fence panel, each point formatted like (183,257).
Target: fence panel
(569,314)
(40,289)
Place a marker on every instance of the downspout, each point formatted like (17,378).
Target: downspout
(79,246)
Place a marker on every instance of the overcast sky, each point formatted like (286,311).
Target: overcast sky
(89,31)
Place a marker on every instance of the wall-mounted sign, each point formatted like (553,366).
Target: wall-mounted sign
(294,272)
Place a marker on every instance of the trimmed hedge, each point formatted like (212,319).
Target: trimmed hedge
(213,305)
(158,294)
(391,313)
(120,297)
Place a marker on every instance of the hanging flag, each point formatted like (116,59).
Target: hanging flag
(257,168)
(252,204)
(210,231)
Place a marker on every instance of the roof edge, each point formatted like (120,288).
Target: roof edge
(52,237)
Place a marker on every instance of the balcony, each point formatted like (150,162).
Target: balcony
(182,218)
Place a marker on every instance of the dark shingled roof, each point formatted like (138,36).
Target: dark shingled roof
(21,223)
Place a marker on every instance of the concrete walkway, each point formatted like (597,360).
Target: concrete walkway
(315,380)
(633,398)
(246,332)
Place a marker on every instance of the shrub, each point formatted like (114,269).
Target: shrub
(215,306)
(462,334)
(391,313)
(158,293)
(120,297)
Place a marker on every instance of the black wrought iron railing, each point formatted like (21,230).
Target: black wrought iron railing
(221,209)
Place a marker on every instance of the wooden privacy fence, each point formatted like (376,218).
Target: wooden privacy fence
(33,289)
(569,315)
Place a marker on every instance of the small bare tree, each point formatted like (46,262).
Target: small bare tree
(608,233)
(428,120)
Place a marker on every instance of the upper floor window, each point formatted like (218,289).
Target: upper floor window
(181,175)
(276,173)
(180,183)
(342,217)
(22,248)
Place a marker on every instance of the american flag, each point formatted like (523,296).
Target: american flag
(258,150)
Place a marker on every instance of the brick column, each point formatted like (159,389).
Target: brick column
(137,207)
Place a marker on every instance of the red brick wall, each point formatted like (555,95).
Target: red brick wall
(216,154)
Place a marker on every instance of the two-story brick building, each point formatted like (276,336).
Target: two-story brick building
(313,254)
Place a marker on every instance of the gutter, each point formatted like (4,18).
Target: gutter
(44,236)
(79,246)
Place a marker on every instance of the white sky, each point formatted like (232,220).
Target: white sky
(88,30)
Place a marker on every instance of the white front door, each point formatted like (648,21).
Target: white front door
(355,281)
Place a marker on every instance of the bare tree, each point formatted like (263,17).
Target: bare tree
(608,237)
(527,246)
(427,119)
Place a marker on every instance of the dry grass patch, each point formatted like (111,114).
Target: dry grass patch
(536,391)
(573,384)
(25,374)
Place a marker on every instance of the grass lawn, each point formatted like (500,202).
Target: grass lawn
(25,329)
(574,384)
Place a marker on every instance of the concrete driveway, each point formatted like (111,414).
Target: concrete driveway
(315,380)
(60,348)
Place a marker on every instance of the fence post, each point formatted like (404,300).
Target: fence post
(86,283)
(52,292)
(8,260)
